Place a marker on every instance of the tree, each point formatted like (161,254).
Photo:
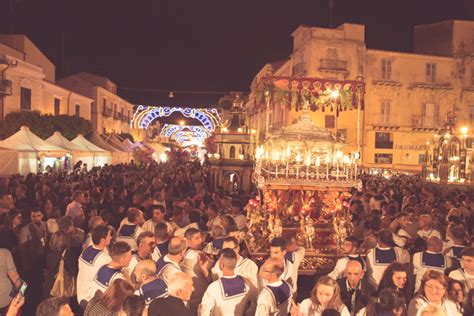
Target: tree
(44,125)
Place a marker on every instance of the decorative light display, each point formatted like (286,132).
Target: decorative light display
(448,162)
(304,154)
(185,135)
(144,115)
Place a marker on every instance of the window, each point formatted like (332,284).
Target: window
(115,109)
(331,53)
(383,158)
(329,121)
(429,114)
(25,99)
(386,69)
(57,106)
(385,109)
(104,105)
(421,159)
(342,134)
(383,140)
(78,110)
(471,113)
(121,113)
(430,73)
(232,152)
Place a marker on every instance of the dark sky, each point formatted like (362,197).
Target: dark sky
(201,45)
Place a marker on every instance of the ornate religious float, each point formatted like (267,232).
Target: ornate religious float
(449,162)
(304,179)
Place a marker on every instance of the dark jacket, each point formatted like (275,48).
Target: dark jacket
(362,294)
(168,306)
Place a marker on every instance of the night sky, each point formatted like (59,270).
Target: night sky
(201,45)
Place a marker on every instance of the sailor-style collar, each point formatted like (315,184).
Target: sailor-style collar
(280,293)
(433,260)
(89,255)
(128,230)
(105,274)
(153,290)
(385,256)
(232,287)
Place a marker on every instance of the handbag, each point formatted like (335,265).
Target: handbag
(64,285)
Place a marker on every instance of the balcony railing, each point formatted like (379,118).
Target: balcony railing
(333,65)
(385,120)
(107,112)
(5,87)
(384,145)
(425,121)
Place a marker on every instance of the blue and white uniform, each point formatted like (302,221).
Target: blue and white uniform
(428,260)
(378,259)
(153,290)
(231,295)
(274,299)
(90,261)
(129,233)
(103,278)
(166,268)
(338,271)
(244,267)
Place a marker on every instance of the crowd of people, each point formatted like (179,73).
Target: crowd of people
(153,240)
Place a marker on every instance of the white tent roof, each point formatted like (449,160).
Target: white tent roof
(59,140)
(81,141)
(128,144)
(25,140)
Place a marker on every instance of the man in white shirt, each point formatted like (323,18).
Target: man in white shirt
(168,265)
(276,296)
(349,247)
(431,259)
(380,257)
(75,210)
(158,216)
(196,264)
(162,240)
(146,246)
(130,231)
(232,294)
(91,260)
(244,266)
(236,212)
(401,237)
(278,252)
(121,255)
(150,286)
(426,230)
(465,274)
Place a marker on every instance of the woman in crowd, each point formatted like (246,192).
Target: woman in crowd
(9,233)
(456,292)
(433,290)
(111,302)
(389,302)
(59,247)
(396,277)
(325,295)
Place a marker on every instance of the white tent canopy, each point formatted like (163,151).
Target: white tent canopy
(30,148)
(9,161)
(78,153)
(101,156)
(118,156)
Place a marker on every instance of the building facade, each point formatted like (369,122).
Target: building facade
(110,113)
(231,164)
(27,82)
(407,95)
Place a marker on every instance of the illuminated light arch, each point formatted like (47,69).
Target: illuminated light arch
(185,134)
(144,115)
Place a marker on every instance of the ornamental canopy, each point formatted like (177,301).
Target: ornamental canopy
(320,94)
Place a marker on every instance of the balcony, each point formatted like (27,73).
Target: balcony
(333,65)
(5,87)
(422,121)
(431,85)
(384,145)
(107,112)
(385,120)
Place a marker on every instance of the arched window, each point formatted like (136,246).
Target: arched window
(232,152)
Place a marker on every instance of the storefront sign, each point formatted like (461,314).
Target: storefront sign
(411,147)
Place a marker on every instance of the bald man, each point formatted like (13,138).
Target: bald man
(275,297)
(180,289)
(169,264)
(431,259)
(151,287)
(355,290)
